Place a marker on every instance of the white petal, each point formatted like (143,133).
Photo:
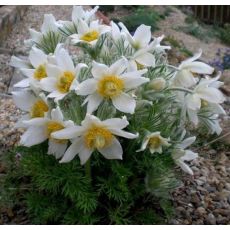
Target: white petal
(40,121)
(193,117)
(124,103)
(37,57)
(211,95)
(48,84)
(116,123)
(57,95)
(94,100)
(187,142)
(24,99)
(23,83)
(113,151)
(143,34)
(64,60)
(193,102)
(28,72)
(35,35)
(184,78)
(146,59)
(99,70)
(122,133)
(82,27)
(79,67)
(56,114)
(185,167)
(91,120)
(74,84)
(118,67)
(133,82)
(72,151)
(49,24)
(77,13)
(133,74)
(56,149)
(33,136)
(87,87)
(19,63)
(199,67)
(144,144)
(68,133)
(53,71)
(84,154)
(189,156)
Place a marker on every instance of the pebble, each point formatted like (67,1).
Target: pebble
(211,219)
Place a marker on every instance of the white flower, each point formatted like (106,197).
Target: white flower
(141,37)
(86,15)
(89,33)
(185,75)
(156,46)
(61,78)
(40,129)
(180,154)
(157,84)
(49,25)
(140,59)
(111,83)
(155,142)
(94,134)
(36,106)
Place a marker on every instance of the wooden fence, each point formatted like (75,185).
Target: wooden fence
(212,14)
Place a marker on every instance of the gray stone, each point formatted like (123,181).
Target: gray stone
(211,219)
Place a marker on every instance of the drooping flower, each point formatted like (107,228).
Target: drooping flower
(185,77)
(35,105)
(181,154)
(94,134)
(62,77)
(155,142)
(111,83)
(141,37)
(89,33)
(40,129)
(156,46)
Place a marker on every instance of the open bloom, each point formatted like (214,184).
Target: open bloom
(62,77)
(181,154)
(184,77)
(141,37)
(94,134)
(111,83)
(89,33)
(155,142)
(40,129)
(36,106)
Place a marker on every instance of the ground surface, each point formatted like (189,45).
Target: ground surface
(204,198)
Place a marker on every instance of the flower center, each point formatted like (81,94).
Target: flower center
(38,109)
(204,103)
(98,137)
(65,81)
(40,72)
(90,36)
(53,126)
(110,86)
(154,142)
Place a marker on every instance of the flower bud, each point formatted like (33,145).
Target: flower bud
(157,84)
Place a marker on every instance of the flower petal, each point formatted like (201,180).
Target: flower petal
(118,67)
(35,35)
(84,155)
(199,67)
(116,123)
(53,71)
(193,102)
(49,24)
(48,84)
(87,87)
(56,114)
(37,57)
(124,103)
(99,70)
(68,133)
(189,156)
(131,83)
(57,149)
(33,136)
(23,83)
(187,142)
(64,60)
(185,167)
(113,151)
(94,100)
(19,63)
(143,34)
(146,59)
(122,133)
(28,72)
(82,27)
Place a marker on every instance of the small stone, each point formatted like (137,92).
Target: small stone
(221,220)
(200,211)
(211,219)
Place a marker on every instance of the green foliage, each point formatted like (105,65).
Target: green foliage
(142,15)
(225,34)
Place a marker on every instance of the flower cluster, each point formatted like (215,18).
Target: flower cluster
(123,86)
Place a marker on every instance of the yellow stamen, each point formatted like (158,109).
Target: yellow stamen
(110,86)
(137,45)
(40,72)
(90,36)
(38,109)
(98,137)
(65,81)
(139,66)
(53,126)
(154,142)
(204,103)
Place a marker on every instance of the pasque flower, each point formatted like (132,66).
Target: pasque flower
(185,75)
(62,77)
(94,134)
(40,129)
(111,83)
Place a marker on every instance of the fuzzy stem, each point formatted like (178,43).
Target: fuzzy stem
(88,169)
